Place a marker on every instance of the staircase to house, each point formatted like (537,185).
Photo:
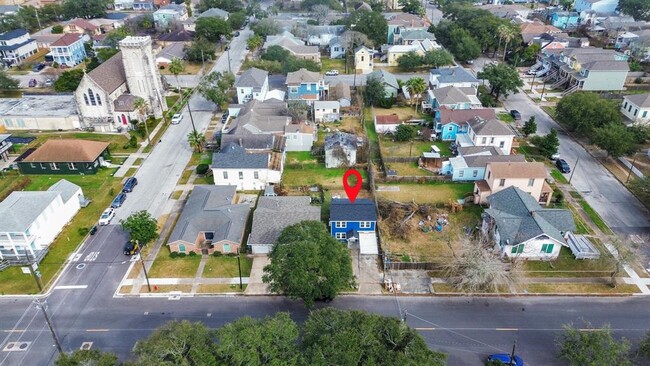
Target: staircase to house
(571,90)
(560,82)
(550,76)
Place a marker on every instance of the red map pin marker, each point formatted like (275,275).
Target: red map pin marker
(352,192)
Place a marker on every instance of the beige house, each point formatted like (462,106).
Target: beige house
(530,177)
(637,108)
(363,60)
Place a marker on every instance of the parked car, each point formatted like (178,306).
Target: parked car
(93,230)
(515,114)
(332,72)
(237,34)
(563,166)
(506,359)
(106,217)
(177,118)
(130,183)
(49,82)
(555,156)
(131,248)
(118,201)
(32,83)
(38,67)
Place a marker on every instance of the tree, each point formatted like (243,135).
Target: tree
(177,343)
(214,87)
(504,79)
(530,127)
(644,346)
(437,58)
(354,337)
(200,50)
(87,358)
(638,9)
(405,133)
(141,226)
(372,24)
(530,52)
(230,6)
(146,21)
(104,54)
(641,188)
(409,61)
(176,67)
(374,91)
(583,111)
(255,42)
(196,140)
(69,80)
(476,269)
(87,9)
(412,7)
(276,53)
(266,27)
(57,29)
(237,19)
(416,87)
(188,6)
(548,144)
(320,12)
(212,28)
(7,82)
(308,263)
(268,341)
(463,46)
(616,139)
(595,347)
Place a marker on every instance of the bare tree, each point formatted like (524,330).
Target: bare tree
(339,154)
(477,267)
(320,12)
(353,39)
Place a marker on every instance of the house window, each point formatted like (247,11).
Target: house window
(645,114)
(450,128)
(365,225)
(225,175)
(241,175)
(636,111)
(475,174)
(32,165)
(363,58)
(21,122)
(629,109)
(518,249)
(502,144)
(181,248)
(625,105)
(340,224)
(531,182)
(42,166)
(491,140)
(54,166)
(340,236)
(489,175)
(461,173)
(92,97)
(86,99)
(547,248)
(8,122)
(502,182)
(226,248)
(256,175)
(99,100)
(71,166)
(484,140)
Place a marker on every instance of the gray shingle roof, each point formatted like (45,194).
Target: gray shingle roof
(418,35)
(340,139)
(233,156)
(519,217)
(252,78)
(302,76)
(65,188)
(450,95)
(483,160)
(110,74)
(210,209)
(449,75)
(481,126)
(640,100)
(273,214)
(20,209)
(215,13)
(478,150)
(362,209)
(384,76)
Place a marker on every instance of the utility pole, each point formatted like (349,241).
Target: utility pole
(37,18)
(241,285)
(631,167)
(189,109)
(512,355)
(228,50)
(43,306)
(145,272)
(574,169)
(35,273)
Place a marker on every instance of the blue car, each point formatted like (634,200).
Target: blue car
(119,200)
(506,359)
(130,184)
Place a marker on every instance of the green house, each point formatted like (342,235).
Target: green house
(64,156)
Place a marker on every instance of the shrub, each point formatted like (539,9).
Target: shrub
(192,254)
(232,254)
(217,253)
(182,255)
(638,80)
(201,169)
(559,197)
(83,231)
(173,254)
(111,192)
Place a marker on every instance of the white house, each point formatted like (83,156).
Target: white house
(340,150)
(252,84)
(299,137)
(16,46)
(31,220)
(386,123)
(521,228)
(327,111)
(597,6)
(337,48)
(363,60)
(637,108)
(233,165)
(452,76)
(482,132)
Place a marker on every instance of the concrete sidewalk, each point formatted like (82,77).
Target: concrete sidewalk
(255,284)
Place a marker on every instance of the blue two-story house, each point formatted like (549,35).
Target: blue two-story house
(564,19)
(68,50)
(451,122)
(306,86)
(348,219)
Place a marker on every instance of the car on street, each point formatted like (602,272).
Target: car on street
(38,67)
(332,72)
(118,200)
(131,248)
(562,166)
(49,82)
(506,359)
(106,217)
(555,156)
(32,83)
(515,114)
(177,118)
(130,183)
(93,230)
(237,34)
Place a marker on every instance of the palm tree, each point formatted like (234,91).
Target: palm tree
(196,140)
(176,67)
(416,86)
(508,34)
(142,106)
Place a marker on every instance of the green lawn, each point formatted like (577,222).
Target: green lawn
(567,266)
(372,135)
(558,176)
(431,192)
(390,148)
(100,188)
(550,111)
(408,169)
(302,169)
(226,267)
(180,267)
(333,64)
(505,117)
(595,217)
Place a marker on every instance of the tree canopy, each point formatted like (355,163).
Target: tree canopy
(230,6)
(548,144)
(504,79)
(412,7)
(616,139)
(141,226)
(371,23)
(212,28)
(405,133)
(237,19)
(84,357)
(7,82)
(583,111)
(200,50)
(308,263)
(374,91)
(638,9)
(266,27)
(86,9)
(214,87)
(596,347)
(68,81)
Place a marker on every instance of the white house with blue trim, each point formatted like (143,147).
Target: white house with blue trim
(470,164)
(306,86)
(68,50)
(452,76)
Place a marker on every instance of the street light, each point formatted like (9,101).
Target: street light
(42,305)
(631,167)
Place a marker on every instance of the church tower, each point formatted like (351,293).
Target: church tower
(142,76)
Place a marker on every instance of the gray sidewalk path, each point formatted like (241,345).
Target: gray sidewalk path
(255,284)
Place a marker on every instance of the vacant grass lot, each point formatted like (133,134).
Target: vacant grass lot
(165,266)
(226,267)
(390,148)
(333,64)
(346,124)
(433,192)
(99,188)
(303,169)
(408,169)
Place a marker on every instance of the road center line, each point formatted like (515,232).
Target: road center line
(98,330)
(507,329)
(14,330)
(425,328)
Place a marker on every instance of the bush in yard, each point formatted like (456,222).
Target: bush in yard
(405,133)
(182,255)
(596,347)
(559,197)
(201,169)
(173,254)
(217,253)
(83,231)
(192,254)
